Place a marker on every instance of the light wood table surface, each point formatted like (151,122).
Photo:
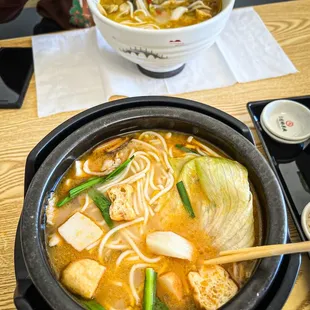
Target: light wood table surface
(21,130)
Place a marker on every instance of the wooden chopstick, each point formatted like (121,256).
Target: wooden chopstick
(240,255)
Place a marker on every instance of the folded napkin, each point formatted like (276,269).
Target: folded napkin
(77,69)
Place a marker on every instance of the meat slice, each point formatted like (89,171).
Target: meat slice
(121,208)
(80,231)
(212,287)
(82,277)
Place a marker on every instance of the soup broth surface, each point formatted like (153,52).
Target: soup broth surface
(152,175)
(159,14)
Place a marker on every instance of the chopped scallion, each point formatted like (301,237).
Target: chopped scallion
(91,305)
(159,305)
(149,296)
(185,199)
(103,204)
(75,191)
(185,149)
(64,201)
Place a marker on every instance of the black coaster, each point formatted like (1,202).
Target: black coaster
(161,75)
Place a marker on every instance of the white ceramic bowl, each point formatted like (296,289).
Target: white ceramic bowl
(287,119)
(304,216)
(161,50)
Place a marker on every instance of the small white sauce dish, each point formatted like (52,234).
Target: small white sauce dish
(305,220)
(287,120)
(274,137)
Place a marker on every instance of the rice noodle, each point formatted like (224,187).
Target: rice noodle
(155,141)
(117,240)
(115,180)
(141,6)
(113,231)
(130,23)
(145,202)
(131,8)
(93,245)
(153,186)
(169,185)
(167,161)
(207,149)
(123,255)
(133,258)
(140,11)
(86,203)
(170,151)
(133,169)
(135,204)
(117,246)
(134,163)
(131,280)
(141,201)
(154,155)
(153,133)
(132,235)
(139,253)
(201,152)
(138,19)
(146,187)
(88,171)
(145,144)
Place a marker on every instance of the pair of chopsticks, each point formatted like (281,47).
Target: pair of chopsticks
(240,255)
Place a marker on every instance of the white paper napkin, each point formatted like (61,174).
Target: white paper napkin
(77,69)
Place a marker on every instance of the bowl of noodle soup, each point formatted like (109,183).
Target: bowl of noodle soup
(135,158)
(160,44)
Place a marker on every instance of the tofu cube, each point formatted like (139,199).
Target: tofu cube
(82,277)
(80,231)
(170,283)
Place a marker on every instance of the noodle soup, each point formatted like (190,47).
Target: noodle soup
(158,14)
(132,221)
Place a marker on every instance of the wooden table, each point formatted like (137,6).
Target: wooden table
(21,130)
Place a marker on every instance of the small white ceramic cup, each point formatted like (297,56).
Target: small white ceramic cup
(287,120)
(276,138)
(304,220)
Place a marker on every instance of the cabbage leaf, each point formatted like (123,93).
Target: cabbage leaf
(219,190)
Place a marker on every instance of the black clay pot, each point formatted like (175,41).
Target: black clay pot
(272,210)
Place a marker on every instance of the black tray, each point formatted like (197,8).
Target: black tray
(290,162)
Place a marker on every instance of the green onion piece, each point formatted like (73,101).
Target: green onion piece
(89,183)
(185,199)
(119,169)
(149,295)
(91,305)
(96,180)
(159,305)
(185,149)
(103,204)
(64,201)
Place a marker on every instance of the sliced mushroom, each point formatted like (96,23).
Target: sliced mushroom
(203,14)
(178,12)
(111,8)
